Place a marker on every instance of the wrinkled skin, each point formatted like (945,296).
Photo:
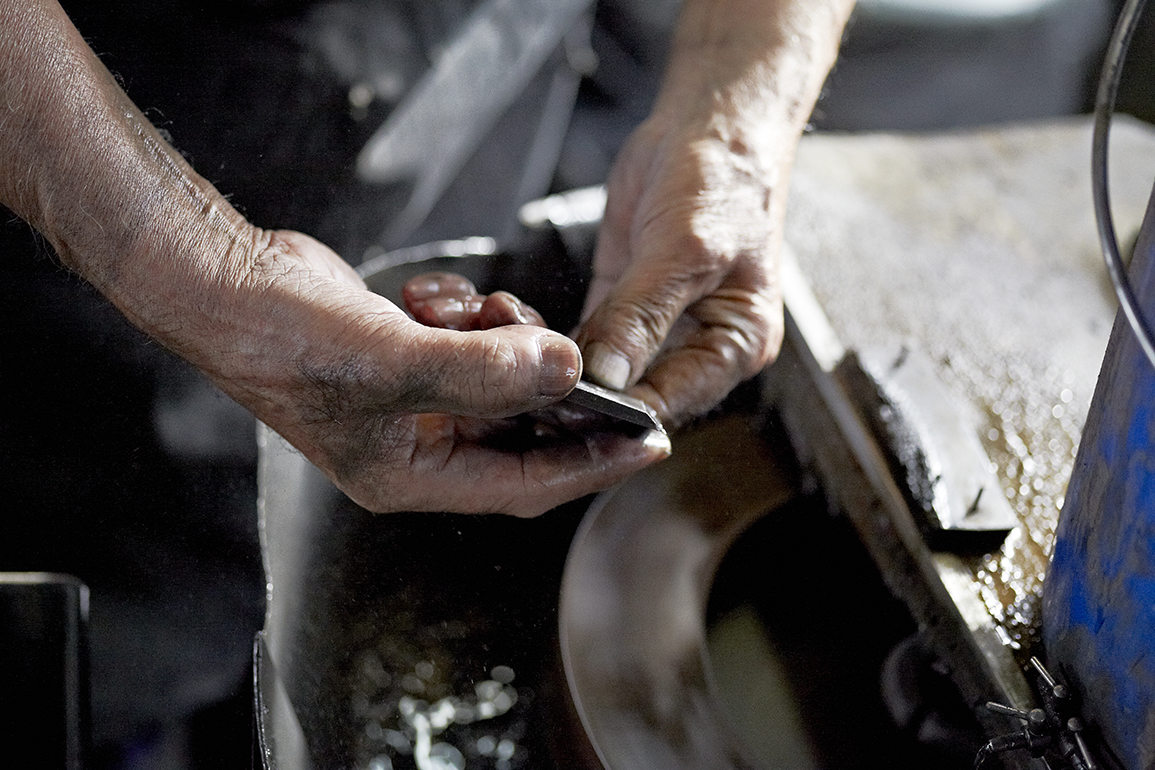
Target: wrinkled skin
(685,301)
(450,301)
(400,415)
(403,416)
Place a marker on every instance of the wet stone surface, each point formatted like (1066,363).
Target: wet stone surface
(1030,429)
(980,250)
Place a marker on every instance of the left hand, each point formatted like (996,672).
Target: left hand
(685,301)
(690,237)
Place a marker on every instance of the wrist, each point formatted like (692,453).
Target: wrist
(751,70)
(83,166)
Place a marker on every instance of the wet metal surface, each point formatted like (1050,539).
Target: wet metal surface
(410,641)
(615,405)
(979,249)
(634,595)
(1099,597)
(416,641)
(835,445)
(939,243)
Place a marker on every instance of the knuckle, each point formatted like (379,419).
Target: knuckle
(638,325)
(501,370)
(744,329)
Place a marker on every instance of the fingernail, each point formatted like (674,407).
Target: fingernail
(606,366)
(561,366)
(517,309)
(658,440)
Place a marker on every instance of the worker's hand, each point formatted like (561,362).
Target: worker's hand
(690,237)
(685,300)
(402,415)
(451,301)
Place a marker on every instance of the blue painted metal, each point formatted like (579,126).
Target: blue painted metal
(1099,595)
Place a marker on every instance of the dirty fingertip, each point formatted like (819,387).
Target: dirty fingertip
(561,365)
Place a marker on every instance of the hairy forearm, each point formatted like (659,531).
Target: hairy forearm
(696,202)
(80,163)
(756,66)
(277,319)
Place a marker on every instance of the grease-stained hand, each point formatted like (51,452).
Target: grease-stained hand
(448,300)
(406,416)
(685,301)
(400,415)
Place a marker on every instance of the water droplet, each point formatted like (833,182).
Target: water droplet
(380,762)
(504,700)
(503,674)
(446,757)
(361,96)
(487,690)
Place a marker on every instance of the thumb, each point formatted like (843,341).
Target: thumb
(497,372)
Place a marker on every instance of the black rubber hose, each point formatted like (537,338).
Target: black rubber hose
(1104,108)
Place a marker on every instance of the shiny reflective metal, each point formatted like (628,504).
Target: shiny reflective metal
(1053,732)
(278,740)
(614,404)
(1109,81)
(633,600)
(461,248)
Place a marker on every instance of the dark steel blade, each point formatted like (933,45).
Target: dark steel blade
(614,404)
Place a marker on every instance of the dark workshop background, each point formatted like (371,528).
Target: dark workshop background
(123,467)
